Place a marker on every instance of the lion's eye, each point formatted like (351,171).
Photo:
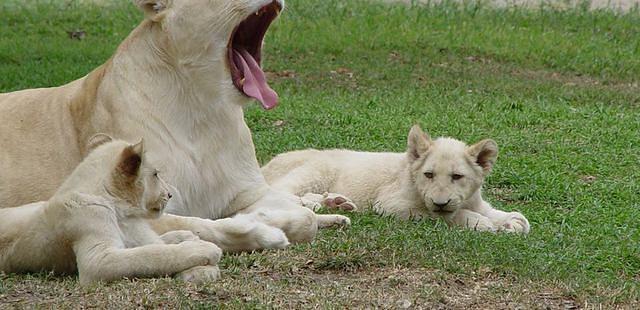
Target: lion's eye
(456,176)
(155,173)
(429,175)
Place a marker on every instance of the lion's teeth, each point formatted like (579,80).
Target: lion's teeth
(241,82)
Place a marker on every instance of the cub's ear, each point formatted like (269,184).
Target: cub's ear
(98,140)
(152,8)
(418,143)
(485,154)
(131,160)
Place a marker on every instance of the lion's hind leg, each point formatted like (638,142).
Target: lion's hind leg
(307,180)
(330,201)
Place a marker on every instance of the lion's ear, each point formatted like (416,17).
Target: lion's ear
(484,154)
(152,8)
(130,161)
(418,143)
(98,140)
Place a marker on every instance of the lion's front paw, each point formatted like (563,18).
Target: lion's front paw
(312,201)
(337,201)
(202,252)
(199,274)
(270,237)
(514,222)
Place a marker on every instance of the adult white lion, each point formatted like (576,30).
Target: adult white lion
(180,81)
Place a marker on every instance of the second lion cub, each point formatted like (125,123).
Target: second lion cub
(96,225)
(439,178)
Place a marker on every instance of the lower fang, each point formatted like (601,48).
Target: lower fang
(241,82)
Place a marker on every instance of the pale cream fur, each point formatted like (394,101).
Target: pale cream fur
(168,82)
(96,225)
(443,172)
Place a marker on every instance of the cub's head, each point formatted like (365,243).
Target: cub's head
(220,40)
(125,176)
(447,172)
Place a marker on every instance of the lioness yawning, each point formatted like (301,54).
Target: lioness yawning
(180,80)
(439,178)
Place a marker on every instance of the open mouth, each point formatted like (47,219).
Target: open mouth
(244,52)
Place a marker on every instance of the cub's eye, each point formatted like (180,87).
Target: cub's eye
(429,175)
(155,173)
(456,176)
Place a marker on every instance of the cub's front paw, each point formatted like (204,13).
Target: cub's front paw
(337,201)
(479,224)
(202,253)
(199,274)
(332,220)
(341,221)
(177,236)
(514,222)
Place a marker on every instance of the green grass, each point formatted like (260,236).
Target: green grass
(558,91)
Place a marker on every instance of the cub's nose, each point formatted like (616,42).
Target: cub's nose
(169,195)
(440,204)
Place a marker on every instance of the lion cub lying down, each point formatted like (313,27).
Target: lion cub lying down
(95,224)
(439,178)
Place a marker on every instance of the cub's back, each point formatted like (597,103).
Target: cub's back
(356,174)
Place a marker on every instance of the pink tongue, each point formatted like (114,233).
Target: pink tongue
(255,84)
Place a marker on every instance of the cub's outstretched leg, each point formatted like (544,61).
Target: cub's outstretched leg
(177,236)
(482,216)
(505,221)
(102,256)
(471,220)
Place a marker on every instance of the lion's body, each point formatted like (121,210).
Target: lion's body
(96,224)
(170,83)
(395,183)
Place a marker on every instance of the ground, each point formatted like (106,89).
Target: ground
(558,91)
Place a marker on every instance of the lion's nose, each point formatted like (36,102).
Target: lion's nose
(440,204)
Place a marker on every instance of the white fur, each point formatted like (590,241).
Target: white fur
(397,184)
(96,224)
(169,82)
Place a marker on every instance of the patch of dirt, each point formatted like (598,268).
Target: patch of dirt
(398,288)
(413,288)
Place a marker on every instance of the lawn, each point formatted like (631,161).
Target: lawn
(557,90)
